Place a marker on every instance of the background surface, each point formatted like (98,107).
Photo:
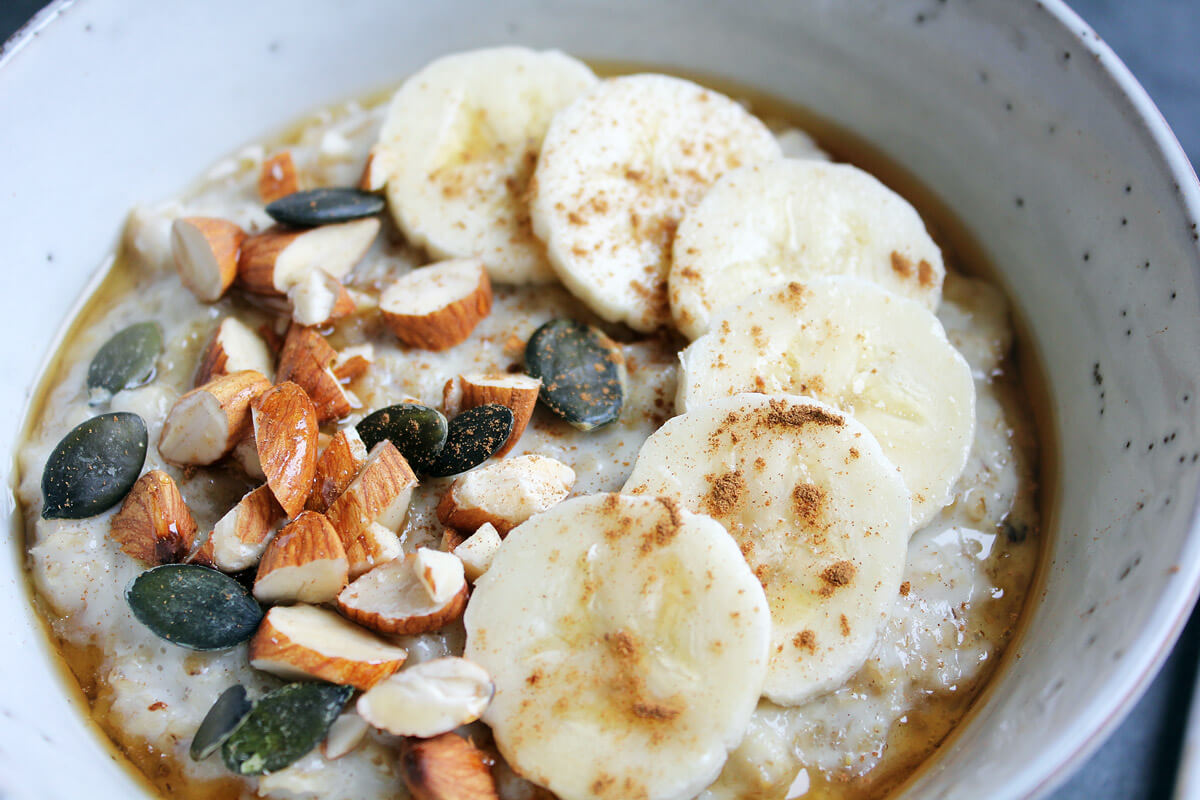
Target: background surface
(1158,39)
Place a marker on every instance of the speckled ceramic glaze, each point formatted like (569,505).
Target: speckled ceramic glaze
(1013,112)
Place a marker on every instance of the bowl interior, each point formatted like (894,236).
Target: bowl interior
(1014,114)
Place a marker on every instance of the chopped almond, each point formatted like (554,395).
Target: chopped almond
(446,767)
(206,423)
(392,599)
(440,573)
(277,259)
(285,431)
(353,362)
(306,358)
(239,538)
(451,539)
(154,524)
(206,252)
(376,171)
(245,455)
(319,298)
(505,493)
(340,462)
(303,642)
(305,563)
(371,510)
(277,178)
(477,551)
(437,307)
(234,347)
(345,735)
(518,392)
(428,699)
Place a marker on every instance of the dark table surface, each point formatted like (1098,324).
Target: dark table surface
(1158,39)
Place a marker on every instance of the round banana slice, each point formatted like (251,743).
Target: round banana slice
(880,357)
(618,168)
(458,147)
(627,640)
(820,514)
(793,220)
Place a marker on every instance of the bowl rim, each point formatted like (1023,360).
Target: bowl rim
(1142,664)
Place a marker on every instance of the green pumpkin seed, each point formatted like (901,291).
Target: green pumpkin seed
(220,722)
(283,726)
(419,432)
(125,361)
(324,207)
(193,606)
(582,372)
(474,436)
(94,466)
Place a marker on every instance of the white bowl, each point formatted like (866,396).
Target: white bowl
(1015,113)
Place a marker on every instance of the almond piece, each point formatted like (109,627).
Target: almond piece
(206,423)
(451,539)
(206,252)
(233,347)
(345,735)
(285,431)
(319,298)
(239,538)
(371,510)
(505,493)
(375,172)
(305,563)
(245,455)
(477,551)
(306,358)
(277,178)
(352,363)
(303,642)
(275,260)
(440,573)
(392,599)
(154,524)
(518,392)
(428,699)
(446,767)
(436,307)
(340,462)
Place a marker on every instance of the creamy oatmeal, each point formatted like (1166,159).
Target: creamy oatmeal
(597,250)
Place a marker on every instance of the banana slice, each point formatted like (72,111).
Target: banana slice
(792,220)
(880,357)
(627,640)
(820,514)
(618,168)
(458,148)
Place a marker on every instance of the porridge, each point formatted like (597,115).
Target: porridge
(606,440)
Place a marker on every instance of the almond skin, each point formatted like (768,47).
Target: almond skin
(302,641)
(505,493)
(446,767)
(518,392)
(368,513)
(206,252)
(239,538)
(340,462)
(154,524)
(306,359)
(277,178)
(206,423)
(390,599)
(305,563)
(451,318)
(285,431)
(233,347)
(256,264)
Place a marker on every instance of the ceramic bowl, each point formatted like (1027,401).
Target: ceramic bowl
(1014,113)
